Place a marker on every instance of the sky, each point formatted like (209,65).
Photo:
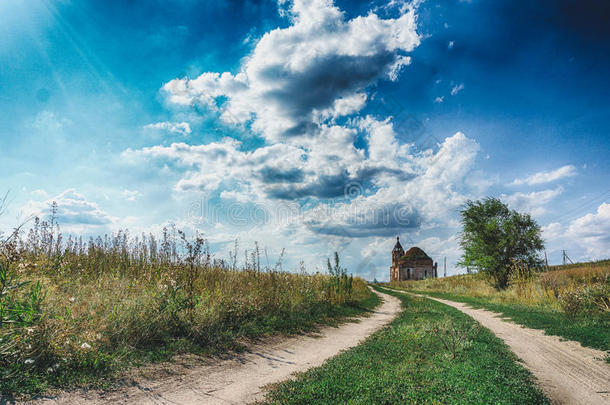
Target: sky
(310,126)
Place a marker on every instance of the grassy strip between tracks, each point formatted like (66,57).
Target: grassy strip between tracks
(590,331)
(430,353)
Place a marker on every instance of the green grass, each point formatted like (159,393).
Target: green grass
(406,362)
(590,331)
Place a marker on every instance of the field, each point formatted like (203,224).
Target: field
(76,313)
(431,353)
(571,301)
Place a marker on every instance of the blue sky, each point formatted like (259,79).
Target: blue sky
(311,126)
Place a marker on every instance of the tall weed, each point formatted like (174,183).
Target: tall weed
(75,310)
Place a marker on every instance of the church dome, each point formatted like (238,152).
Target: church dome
(416,253)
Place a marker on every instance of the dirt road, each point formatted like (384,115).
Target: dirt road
(242,378)
(567,372)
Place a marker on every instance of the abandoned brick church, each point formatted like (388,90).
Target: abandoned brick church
(415,264)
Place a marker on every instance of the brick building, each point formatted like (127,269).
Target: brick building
(414,264)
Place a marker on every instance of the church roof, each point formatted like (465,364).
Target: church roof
(398,246)
(415,253)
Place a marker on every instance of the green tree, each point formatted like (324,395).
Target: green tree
(495,238)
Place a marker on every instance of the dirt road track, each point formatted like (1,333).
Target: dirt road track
(242,378)
(567,372)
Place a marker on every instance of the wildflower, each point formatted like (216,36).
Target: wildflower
(29,361)
(85,346)
(71,299)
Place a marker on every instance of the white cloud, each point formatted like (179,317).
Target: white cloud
(439,99)
(352,178)
(432,193)
(585,238)
(593,232)
(439,248)
(181,128)
(534,202)
(457,88)
(342,107)
(295,73)
(75,213)
(553,231)
(409,187)
(547,177)
(451,44)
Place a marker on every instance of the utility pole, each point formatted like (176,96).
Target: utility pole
(445,267)
(563,252)
(566,258)
(546,261)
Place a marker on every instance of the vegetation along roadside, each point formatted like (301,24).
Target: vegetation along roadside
(77,312)
(571,301)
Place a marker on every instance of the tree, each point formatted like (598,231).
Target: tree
(495,238)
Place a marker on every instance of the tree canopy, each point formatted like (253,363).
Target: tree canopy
(495,238)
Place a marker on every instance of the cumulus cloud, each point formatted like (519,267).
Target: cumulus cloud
(74,211)
(433,192)
(439,249)
(585,238)
(533,202)
(340,174)
(320,167)
(291,90)
(547,177)
(318,67)
(593,231)
(181,128)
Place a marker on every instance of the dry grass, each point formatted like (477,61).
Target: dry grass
(113,302)
(549,289)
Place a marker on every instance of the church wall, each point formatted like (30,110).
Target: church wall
(419,272)
(421,267)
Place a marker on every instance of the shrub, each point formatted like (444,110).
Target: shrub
(586,299)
